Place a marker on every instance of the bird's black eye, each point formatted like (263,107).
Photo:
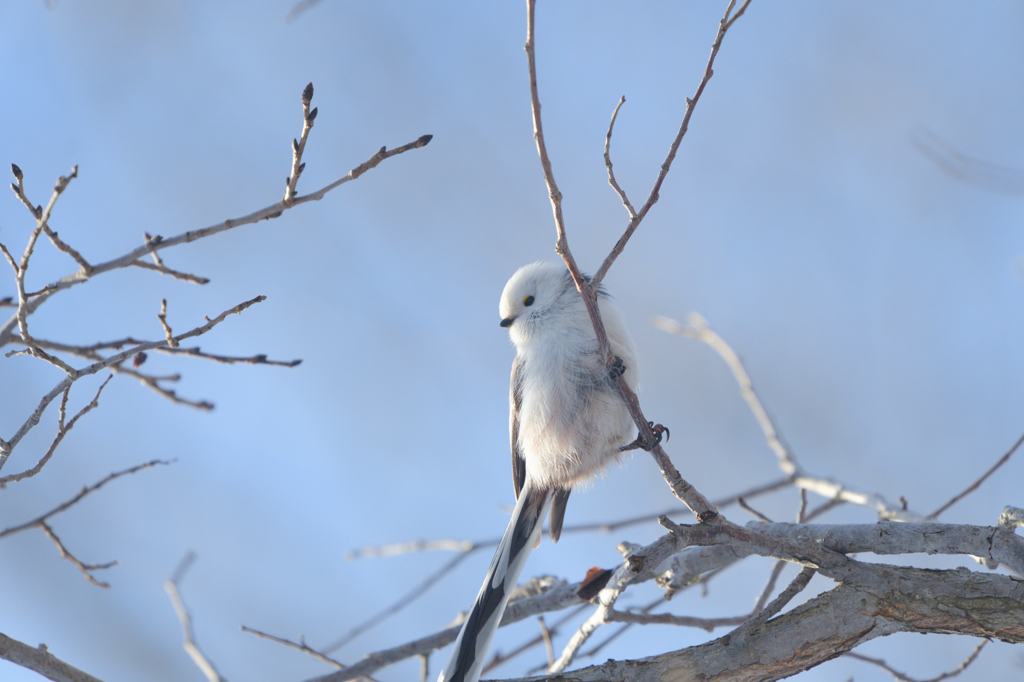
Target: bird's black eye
(528,301)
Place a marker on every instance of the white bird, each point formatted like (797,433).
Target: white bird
(567,421)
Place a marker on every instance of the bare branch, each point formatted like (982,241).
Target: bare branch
(609,526)
(64,247)
(902,677)
(150,240)
(151,382)
(666,165)
(168,334)
(13,264)
(561,248)
(62,430)
(557,596)
(269,212)
(698,329)
(608,161)
(40,523)
(546,636)
(417,546)
(299,146)
(86,569)
(588,290)
(794,588)
(757,514)
(163,269)
(91,353)
(298,8)
(640,565)
(40,660)
(769,587)
(989,176)
(801,512)
(371,163)
(787,461)
(873,605)
(500,658)
(997,544)
(6,447)
(300,645)
(974,486)
(739,13)
(399,604)
(42,215)
(707,624)
(191,648)
(81,494)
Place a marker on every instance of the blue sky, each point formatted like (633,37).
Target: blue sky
(876,299)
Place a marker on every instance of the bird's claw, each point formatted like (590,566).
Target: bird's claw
(641,444)
(658,430)
(616,369)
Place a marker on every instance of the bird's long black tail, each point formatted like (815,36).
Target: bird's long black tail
(522,534)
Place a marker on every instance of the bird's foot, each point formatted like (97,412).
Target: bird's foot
(641,444)
(616,369)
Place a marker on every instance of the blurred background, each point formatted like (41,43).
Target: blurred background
(876,297)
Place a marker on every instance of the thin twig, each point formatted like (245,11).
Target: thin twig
(6,447)
(625,626)
(168,334)
(163,269)
(399,604)
(903,677)
(12,263)
(757,514)
(707,624)
(822,508)
(608,161)
(82,493)
(787,460)
(771,610)
(298,8)
(698,329)
(62,430)
(189,640)
(267,213)
(769,587)
(40,522)
(299,146)
(500,658)
(666,165)
(416,546)
(588,290)
(988,176)
(801,512)
(85,569)
(150,240)
(195,351)
(974,486)
(739,13)
(546,636)
(300,645)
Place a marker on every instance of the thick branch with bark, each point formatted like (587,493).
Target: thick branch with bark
(879,600)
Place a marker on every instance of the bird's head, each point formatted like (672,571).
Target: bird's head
(529,295)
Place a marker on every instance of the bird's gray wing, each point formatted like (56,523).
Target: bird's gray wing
(514,403)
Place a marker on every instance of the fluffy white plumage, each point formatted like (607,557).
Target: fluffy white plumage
(567,421)
(571,419)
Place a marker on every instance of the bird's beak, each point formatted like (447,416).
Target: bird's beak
(507,322)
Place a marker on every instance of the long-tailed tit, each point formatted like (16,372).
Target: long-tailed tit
(567,422)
